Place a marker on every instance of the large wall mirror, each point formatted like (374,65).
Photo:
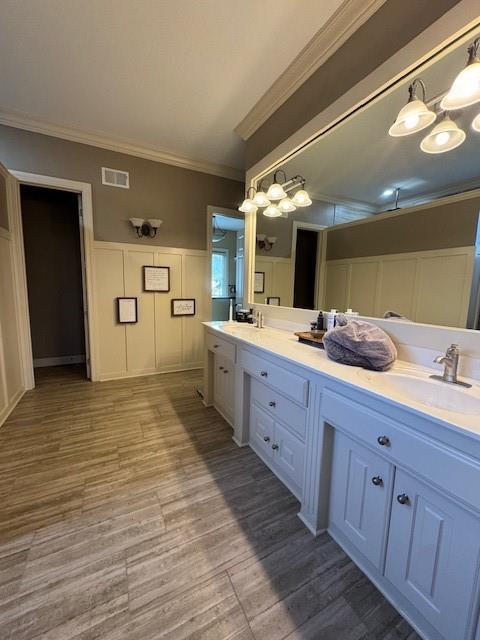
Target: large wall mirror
(393,223)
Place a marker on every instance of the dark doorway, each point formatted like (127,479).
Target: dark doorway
(51,232)
(305,269)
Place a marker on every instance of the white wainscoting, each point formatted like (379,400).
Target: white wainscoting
(157,343)
(425,286)
(11,380)
(278,279)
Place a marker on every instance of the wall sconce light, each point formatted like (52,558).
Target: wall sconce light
(146,228)
(265,242)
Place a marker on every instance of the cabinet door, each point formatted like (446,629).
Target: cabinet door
(219,381)
(360,496)
(229,390)
(289,457)
(261,432)
(433,554)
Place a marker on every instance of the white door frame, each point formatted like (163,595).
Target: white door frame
(84,189)
(298,224)
(211,211)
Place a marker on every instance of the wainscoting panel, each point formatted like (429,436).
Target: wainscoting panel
(157,343)
(413,284)
(278,279)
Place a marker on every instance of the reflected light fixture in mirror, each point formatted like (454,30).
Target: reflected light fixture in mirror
(301,199)
(265,242)
(260,199)
(286,205)
(445,136)
(272,211)
(415,115)
(248,206)
(476,123)
(465,89)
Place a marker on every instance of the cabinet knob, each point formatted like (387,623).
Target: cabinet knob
(377,481)
(266,438)
(275,447)
(215,346)
(272,403)
(402,498)
(221,368)
(264,374)
(225,371)
(384,441)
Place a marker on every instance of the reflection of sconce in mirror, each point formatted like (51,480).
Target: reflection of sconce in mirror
(146,228)
(264,242)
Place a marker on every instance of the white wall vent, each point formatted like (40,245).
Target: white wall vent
(115,178)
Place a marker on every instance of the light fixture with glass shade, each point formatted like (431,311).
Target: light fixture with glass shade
(276,190)
(146,228)
(445,136)
(272,211)
(415,115)
(260,199)
(286,205)
(301,199)
(465,89)
(248,206)
(476,123)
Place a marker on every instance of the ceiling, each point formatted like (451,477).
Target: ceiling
(172,76)
(358,161)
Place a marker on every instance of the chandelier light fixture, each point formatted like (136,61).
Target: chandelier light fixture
(476,123)
(465,89)
(276,202)
(415,115)
(444,136)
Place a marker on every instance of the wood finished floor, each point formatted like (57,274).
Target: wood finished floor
(128,513)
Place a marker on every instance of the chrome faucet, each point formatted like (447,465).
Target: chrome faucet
(450,363)
(259,320)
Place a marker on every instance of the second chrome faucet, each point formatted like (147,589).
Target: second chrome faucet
(450,363)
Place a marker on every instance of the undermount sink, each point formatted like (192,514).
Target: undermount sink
(432,393)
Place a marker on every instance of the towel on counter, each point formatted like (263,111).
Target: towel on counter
(359,344)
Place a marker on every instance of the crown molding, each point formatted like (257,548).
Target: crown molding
(358,205)
(336,31)
(21,121)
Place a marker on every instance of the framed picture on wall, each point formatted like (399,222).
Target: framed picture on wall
(156,279)
(127,310)
(259,282)
(275,300)
(183,307)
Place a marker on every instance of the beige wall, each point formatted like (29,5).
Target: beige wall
(386,32)
(178,196)
(441,227)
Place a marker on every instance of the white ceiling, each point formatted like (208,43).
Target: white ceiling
(175,76)
(359,161)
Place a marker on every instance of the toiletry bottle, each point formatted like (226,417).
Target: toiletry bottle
(331,319)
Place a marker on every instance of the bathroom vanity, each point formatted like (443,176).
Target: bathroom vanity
(393,474)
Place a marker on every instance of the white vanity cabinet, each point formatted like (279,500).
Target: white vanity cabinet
(278,441)
(224,387)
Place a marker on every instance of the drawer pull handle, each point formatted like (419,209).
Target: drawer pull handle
(402,498)
(215,346)
(264,374)
(272,403)
(377,481)
(383,441)
(266,438)
(275,447)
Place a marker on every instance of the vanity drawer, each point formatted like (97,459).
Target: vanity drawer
(280,407)
(218,345)
(446,468)
(284,381)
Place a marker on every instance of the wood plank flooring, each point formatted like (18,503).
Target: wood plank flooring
(128,513)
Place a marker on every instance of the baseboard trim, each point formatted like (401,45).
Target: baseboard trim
(140,374)
(8,410)
(58,361)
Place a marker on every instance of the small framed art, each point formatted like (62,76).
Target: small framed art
(156,279)
(259,282)
(275,300)
(183,307)
(127,310)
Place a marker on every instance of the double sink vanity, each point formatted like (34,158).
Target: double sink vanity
(387,463)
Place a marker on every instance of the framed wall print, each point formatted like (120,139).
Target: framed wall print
(156,279)
(259,282)
(183,307)
(275,300)
(127,310)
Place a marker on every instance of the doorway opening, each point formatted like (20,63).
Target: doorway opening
(227,241)
(55,276)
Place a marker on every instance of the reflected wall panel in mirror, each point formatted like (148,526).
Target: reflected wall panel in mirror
(390,226)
